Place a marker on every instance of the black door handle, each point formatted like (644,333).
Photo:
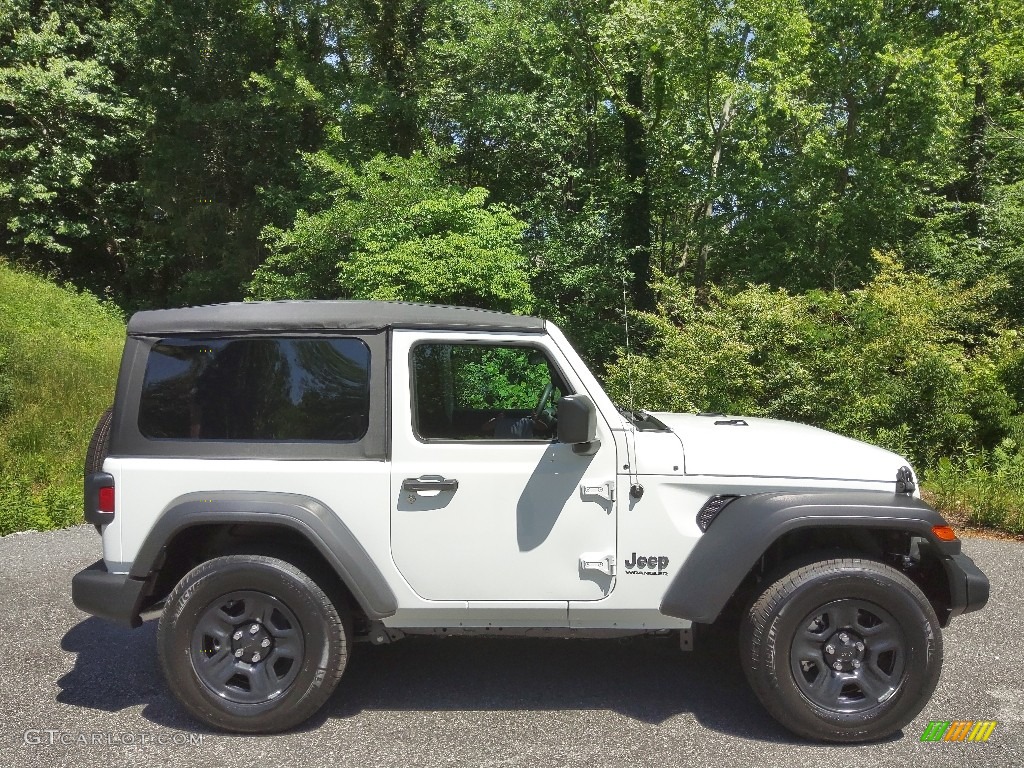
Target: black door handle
(429,483)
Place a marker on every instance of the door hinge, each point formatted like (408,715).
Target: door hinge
(605,490)
(597,561)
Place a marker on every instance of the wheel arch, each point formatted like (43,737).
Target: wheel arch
(758,535)
(199,526)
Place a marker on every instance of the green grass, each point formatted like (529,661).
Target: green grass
(986,490)
(59,352)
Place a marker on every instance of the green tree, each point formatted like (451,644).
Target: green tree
(610,125)
(395,230)
(975,229)
(238,89)
(870,140)
(908,362)
(70,137)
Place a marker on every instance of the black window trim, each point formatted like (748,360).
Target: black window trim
(128,441)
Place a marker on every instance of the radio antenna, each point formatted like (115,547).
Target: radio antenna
(636,490)
(629,356)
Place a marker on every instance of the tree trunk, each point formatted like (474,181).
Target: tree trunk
(825,240)
(700,273)
(636,227)
(701,269)
(396,34)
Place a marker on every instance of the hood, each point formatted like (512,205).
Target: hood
(752,447)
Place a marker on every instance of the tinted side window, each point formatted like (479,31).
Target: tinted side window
(256,389)
(478,391)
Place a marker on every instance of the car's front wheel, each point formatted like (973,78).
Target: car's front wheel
(842,650)
(251,643)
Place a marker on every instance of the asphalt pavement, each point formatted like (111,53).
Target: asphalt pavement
(75,690)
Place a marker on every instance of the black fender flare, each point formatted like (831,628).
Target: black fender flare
(312,519)
(747,527)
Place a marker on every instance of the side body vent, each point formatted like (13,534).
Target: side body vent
(707,514)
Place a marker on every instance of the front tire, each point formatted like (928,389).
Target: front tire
(842,650)
(251,644)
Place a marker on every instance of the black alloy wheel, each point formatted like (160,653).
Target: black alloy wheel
(843,650)
(850,656)
(247,647)
(251,643)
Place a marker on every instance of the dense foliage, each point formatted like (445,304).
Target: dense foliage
(397,231)
(906,361)
(728,169)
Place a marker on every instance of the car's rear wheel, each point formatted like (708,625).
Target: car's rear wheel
(842,650)
(252,644)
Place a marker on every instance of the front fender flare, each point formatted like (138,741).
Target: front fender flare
(747,527)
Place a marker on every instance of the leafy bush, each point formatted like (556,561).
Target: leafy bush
(919,366)
(986,489)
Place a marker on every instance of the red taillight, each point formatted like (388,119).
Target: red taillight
(105,503)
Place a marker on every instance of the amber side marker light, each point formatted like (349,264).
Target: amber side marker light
(944,532)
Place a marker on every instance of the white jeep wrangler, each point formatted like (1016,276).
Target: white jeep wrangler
(279,480)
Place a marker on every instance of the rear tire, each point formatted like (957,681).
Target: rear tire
(251,644)
(842,650)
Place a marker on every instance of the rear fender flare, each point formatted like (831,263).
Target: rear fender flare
(312,519)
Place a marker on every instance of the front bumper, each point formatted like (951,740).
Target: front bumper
(113,596)
(968,586)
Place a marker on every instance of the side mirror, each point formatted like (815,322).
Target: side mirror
(577,423)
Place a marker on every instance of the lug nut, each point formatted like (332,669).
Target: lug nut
(844,637)
(830,649)
(856,664)
(837,666)
(254,629)
(255,657)
(860,646)
(238,653)
(266,642)
(237,635)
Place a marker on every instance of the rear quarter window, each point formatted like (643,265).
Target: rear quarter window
(262,389)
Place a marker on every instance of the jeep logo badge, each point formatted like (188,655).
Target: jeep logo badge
(652,565)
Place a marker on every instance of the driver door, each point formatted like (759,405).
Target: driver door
(486,505)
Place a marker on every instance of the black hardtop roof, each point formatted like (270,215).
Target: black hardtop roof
(282,316)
